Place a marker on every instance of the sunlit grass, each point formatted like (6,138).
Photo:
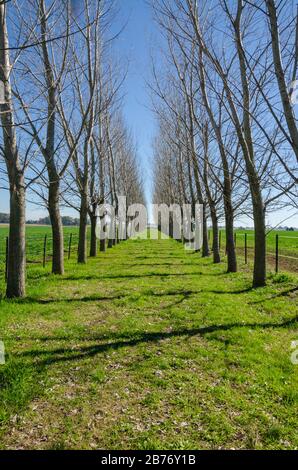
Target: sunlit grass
(149,346)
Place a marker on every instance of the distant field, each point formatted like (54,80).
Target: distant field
(288,245)
(288,241)
(35,241)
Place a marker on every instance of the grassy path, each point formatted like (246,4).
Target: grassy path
(149,347)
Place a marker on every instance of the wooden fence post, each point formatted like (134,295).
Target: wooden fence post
(245,247)
(6,259)
(276,254)
(69,245)
(44,251)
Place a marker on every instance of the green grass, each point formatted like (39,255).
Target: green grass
(288,241)
(35,236)
(149,347)
(288,245)
(288,248)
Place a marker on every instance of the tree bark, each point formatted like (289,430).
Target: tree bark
(230,243)
(16,249)
(205,247)
(171,227)
(49,150)
(110,243)
(17,245)
(215,235)
(281,76)
(111,240)
(93,242)
(57,228)
(227,185)
(247,144)
(102,243)
(82,249)
(212,206)
(259,278)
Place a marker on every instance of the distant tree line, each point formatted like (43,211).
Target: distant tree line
(66,220)
(4,218)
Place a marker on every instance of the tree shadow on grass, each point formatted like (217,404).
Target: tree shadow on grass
(89,277)
(135,265)
(115,342)
(46,275)
(284,293)
(186,294)
(128,276)
(159,256)
(91,298)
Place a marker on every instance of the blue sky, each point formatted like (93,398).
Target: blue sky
(137,42)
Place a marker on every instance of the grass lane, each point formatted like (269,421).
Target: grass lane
(149,346)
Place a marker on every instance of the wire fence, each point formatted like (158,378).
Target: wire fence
(281,250)
(39,249)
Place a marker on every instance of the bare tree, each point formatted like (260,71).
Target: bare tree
(280,72)
(15,171)
(52,20)
(230,83)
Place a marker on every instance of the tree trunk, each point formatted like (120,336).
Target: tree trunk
(57,228)
(205,247)
(102,243)
(259,278)
(171,227)
(215,240)
(17,248)
(247,144)
(111,240)
(280,73)
(227,189)
(93,242)
(82,248)
(230,242)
